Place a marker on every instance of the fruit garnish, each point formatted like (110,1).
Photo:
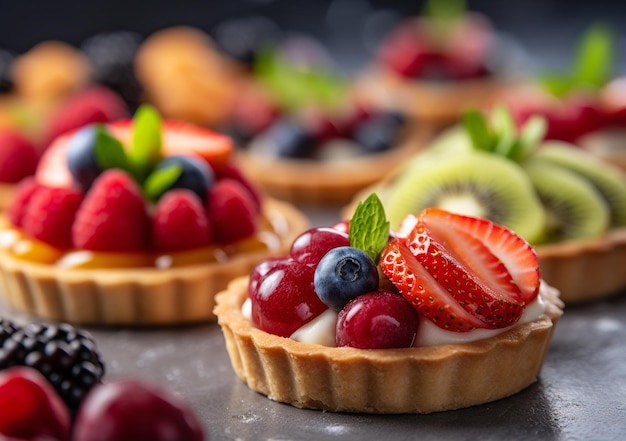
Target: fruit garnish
(310,246)
(343,274)
(67,357)
(462,272)
(22,194)
(133,409)
(30,408)
(592,68)
(113,216)
(18,156)
(369,227)
(232,212)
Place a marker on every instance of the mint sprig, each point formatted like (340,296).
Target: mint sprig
(161,180)
(592,67)
(500,134)
(146,145)
(369,227)
(108,151)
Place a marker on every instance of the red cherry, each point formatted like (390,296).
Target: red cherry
(131,410)
(30,408)
(310,246)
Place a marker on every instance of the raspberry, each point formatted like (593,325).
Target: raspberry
(231,171)
(50,214)
(21,198)
(113,216)
(66,356)
(97,104)
(231,211)
(180,222)
(18,156)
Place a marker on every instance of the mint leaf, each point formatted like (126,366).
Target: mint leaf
(369,227)
(479,132)
(506,132)
(531,134)
(145,150)
(108,151)
(445,9)
(594,63)
(161,180)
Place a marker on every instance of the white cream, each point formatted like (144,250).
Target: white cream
(321,330)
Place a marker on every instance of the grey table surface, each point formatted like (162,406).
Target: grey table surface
(579,395)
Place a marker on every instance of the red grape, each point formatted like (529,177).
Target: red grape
(310,246)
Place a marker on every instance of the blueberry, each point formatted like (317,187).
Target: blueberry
(379,132)
(196,175)
(81,158)
(285,138)
(343,274)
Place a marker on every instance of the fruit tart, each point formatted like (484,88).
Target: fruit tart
(306,136)
(136,222)
(435,65)
(447,312)
(566,202)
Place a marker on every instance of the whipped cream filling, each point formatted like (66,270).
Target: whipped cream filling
(321,330)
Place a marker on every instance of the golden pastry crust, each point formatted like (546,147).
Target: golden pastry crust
(329,182)
(139,296)
(410,380)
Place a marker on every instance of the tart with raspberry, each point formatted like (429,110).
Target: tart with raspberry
(567,202)
(447,312)
(435,65)
(137,222)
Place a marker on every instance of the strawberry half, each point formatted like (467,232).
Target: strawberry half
(426,295)
(487,249)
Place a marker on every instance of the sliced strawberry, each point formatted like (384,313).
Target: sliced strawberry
(180,138)
(468,237)
(18,156)
(113,216)
(231,211)
(467,287)
(21,198)
(180,222)
(50,215)
(52,170)
(427,296)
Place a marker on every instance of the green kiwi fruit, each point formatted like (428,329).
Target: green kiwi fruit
(608,179)
(472,183)
(574,208)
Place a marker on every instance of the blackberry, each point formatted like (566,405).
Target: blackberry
(66,356)
(112,57)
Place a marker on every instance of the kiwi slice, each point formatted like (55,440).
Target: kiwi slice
(472,183)
(574,208)
(608,179)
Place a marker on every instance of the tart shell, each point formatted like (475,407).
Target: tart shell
(330,182)
(410,380)
(139,296)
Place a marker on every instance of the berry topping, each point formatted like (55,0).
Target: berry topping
(309,247)
(191,173)
(231,171)
(50,215)
(343,274)
(284,298)
(113,216)
(18,156)
(131,410)
(377,320)
(232,211)
(180,222)
(65,356)
(30,408)
(21,198)
(94,105)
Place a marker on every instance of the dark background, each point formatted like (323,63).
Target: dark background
(547,30)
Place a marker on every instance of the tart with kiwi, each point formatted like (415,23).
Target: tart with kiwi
(358,318)
(306,135)
(136,222)
(435,65)
(565,201)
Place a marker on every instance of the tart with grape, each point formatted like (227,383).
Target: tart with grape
(418,320)
(136,222)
